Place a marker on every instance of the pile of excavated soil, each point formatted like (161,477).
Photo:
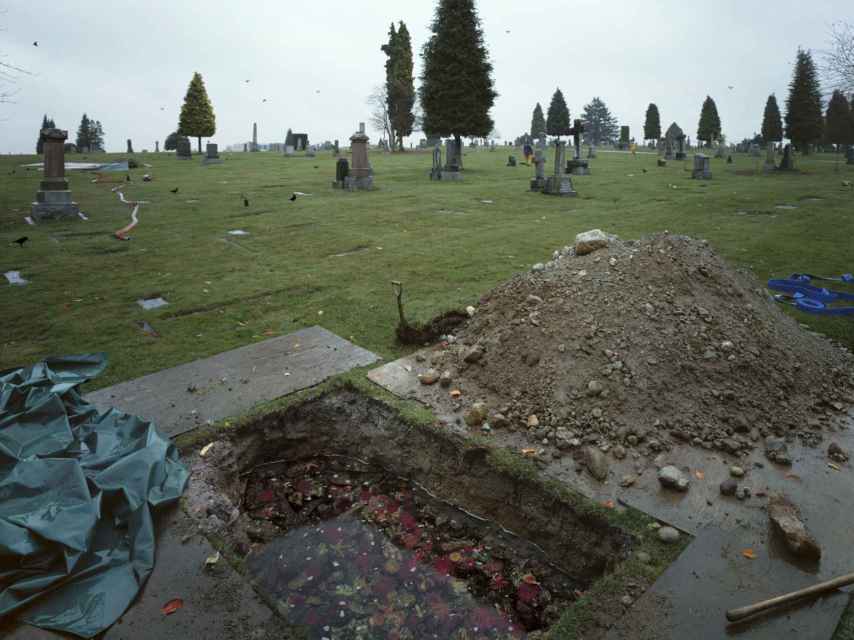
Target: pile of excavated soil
(643,344)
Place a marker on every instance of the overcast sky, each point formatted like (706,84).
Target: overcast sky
(128,63)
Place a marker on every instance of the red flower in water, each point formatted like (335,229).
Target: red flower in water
(527,593)
(443,565)
(408,521)
(498,582)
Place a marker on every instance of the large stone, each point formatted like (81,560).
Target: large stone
(211,154)
(672,478)
(702,167)
(786,520)
(590,241)
(596,463)
(53,200)
(777,451)
(668,535)
(476,414)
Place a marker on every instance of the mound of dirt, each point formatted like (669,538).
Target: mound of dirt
(644,343)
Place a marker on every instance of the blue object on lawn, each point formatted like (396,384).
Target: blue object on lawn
(798,287)
(806,277)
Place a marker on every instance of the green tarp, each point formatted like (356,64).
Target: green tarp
(77,489)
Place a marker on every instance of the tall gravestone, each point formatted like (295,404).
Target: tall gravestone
(577,166)
(680,147)
(342,171)
(183,151)
(672,145)
(453,162)
(436,170)
(788,161)
(157,146)
(336,149)
(130,146)
(539,181)
(211,155)
(559,184)
(702,167)
(254,146)
(53,199)
(770,159)
(361,175)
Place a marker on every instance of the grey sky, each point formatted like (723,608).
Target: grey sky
(121,61)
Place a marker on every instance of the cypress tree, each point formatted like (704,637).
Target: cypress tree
(557,121)
(197,116)
(456,82)
(538,123)
(400,87)
(709,128)
(839,125)
(84,132)
(599,125)
(772,123)
(652,124)
(803,106)
(40,141)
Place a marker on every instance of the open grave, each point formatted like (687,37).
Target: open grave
(352,522)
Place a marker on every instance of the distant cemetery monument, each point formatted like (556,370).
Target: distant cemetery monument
(702,167)
(157,146)
(300,141)
(559,184)
(53,199)
(538,183)
(453,161)
(183,150)
(577,166)
(674,143)
(254,146)
(436,170)
(211,155)
(359,176)
(130,146)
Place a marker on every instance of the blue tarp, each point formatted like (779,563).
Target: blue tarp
(77,489)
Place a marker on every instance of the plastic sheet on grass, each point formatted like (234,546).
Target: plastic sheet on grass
(77,489)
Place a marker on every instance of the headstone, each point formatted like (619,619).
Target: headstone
(539,181)
(436,171)
(289,149)
(754,150)
(182,149)
(53,199)
(300,141)
(130,146)
(560,184)
(591,152)
(453,153)
(577,166)
(671,138)
(511,161)
(336,148)
(245,147)
(680,147)
(850,154)
(770,160)
(702,167)
(211,155)
(253,147)
(157,146)
(342,170)
(361,175)
(788,161)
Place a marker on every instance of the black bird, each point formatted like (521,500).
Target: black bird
(36,43)
(20,241)
(175,190)
(644,170)
(316,167)
(245,201)
(293,197)
(264,100)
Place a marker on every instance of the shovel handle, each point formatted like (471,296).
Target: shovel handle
(734,615)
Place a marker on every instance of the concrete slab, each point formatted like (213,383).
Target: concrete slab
(690,599)
(228,384)
(218,603)
(823,493)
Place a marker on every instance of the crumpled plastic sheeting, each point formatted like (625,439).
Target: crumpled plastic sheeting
(76,492)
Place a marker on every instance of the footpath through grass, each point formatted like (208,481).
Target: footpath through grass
(328,258)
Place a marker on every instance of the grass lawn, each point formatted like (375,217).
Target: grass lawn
(328,258)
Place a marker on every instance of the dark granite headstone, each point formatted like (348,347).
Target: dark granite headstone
(342,171)
(702,167)
(511,161)
(436,170)
(183,151)
(212,155)
(130,146)
(788,161)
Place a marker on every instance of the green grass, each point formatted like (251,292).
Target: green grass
(440,240)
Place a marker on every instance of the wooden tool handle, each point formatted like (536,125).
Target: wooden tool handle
(734,615)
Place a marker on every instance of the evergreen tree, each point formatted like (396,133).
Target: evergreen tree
(84,131)
(839,124)
(803,106)
(709,128)
(400,87)
(456,83)
(538,123)
(772,123)
(652,124)
(96,136)
(40,142)
(557,121)
(197,116)
(599,125)
(171,142)
(289,138)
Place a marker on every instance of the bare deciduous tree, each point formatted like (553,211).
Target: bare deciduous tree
(838,67)
(378,102)
(9,75)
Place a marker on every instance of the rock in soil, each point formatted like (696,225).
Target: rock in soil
(787,521)
(672,478)
(736,472)
(476,414)
(668,535)
(431,376)
(837,453)
(729,487)
(597,463)
(777,451)
(628,340)
(590,241)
